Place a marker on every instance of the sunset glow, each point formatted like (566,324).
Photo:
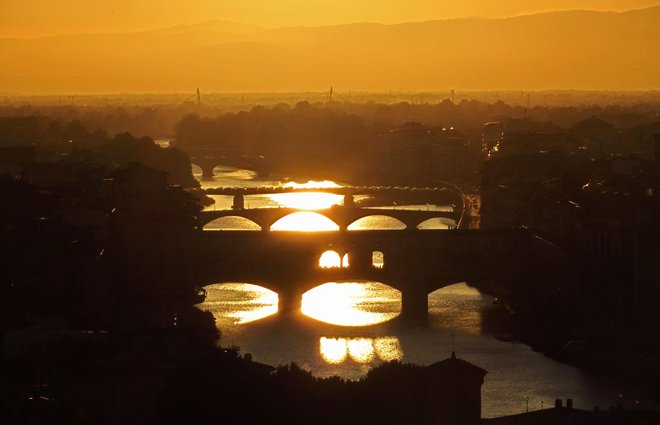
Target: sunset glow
(293,46)
(304,211)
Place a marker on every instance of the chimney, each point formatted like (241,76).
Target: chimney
(569,403)
(558,403)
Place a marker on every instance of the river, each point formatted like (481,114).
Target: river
(345,328)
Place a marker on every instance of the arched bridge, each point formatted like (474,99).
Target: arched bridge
(208,158)
(415,263)
(340,215)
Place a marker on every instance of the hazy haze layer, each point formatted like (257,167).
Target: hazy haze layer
(553,50)
(48,17)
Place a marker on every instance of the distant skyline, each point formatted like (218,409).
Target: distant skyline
(33,18)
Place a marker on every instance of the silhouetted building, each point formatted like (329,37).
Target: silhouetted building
(415,153)
(597,135)
(491,136)
(150,240)
(561,414)
(454,390)
(138,186)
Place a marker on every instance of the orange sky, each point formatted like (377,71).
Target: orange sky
(46,17)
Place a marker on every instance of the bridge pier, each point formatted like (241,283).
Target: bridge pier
(415,307)
(289,301)
(239,202)
(207,171)
(349,200)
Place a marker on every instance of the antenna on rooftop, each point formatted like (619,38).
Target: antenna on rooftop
(452,95)
(330,96)
(199,99)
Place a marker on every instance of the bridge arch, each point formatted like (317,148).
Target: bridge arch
(303,221)
(249,301)
(196,169)
(377,259)
(436,223)
(370,221)
(232,223)
(203,167)
(334,258)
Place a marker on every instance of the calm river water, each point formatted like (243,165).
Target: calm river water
(345,328)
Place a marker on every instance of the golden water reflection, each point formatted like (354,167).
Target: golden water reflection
(305,222)
(239,303)
(313,184)
(352,303)
(329,260)
(360,350)
(232,223)
(462,304)
(341,303)
(376,222)
(307,200)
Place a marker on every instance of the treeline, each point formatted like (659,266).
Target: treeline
(210,392)
(72,140)
(153,121)
(321,139)
(161,118)
(346,141)
(304,139)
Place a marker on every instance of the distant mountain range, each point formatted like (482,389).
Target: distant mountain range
(563,50)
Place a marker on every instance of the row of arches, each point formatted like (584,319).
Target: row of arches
(331,259)
(309,221)
(345,303)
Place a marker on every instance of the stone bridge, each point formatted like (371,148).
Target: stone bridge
(340,215)
(415,263)
(208,158)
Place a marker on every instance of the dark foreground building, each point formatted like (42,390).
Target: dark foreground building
(455,389)
(561,414)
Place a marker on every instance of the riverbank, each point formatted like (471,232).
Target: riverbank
(614,357)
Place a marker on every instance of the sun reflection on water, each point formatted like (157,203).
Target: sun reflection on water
(313,184)
(307,200)
(360,350)
(352,303)
(333,350)
(239,303)
(305,222)
(388,348)
(329,260)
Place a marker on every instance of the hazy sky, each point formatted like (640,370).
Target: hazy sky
(46,17)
